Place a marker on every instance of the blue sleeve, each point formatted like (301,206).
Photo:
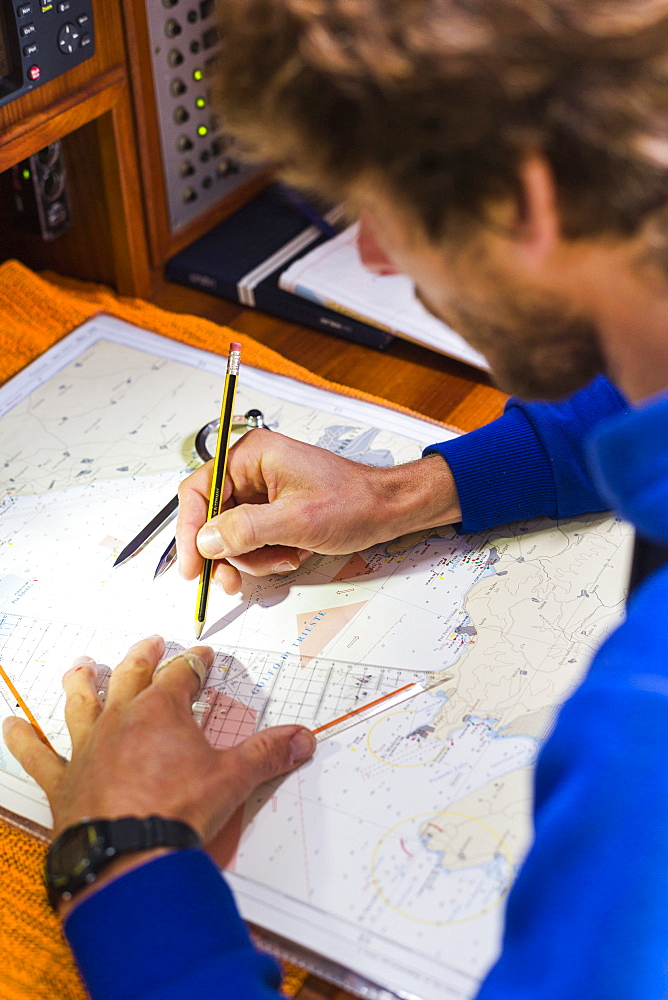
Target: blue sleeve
(530,462)
(588,914)
(167,930)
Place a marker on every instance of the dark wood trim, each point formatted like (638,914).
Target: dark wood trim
(52,122)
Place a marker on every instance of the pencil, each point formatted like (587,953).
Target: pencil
(31,718)
(218,480)
(362,708)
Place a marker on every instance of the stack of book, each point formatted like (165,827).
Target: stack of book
(269,256)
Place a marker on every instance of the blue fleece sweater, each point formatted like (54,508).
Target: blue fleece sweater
(531,462)
(588,915)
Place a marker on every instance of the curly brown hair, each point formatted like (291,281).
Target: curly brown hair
(442,99)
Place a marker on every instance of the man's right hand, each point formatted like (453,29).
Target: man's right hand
(284,500)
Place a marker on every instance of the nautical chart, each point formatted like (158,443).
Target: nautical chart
(393,850)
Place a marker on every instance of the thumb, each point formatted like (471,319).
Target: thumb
(249,527)
(263,756)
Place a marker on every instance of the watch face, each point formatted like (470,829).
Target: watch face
(73,852)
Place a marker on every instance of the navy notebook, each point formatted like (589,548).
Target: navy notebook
(243,256)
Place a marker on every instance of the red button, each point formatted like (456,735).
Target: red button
(34,72)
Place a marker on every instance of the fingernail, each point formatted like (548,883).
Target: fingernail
(304,554)
(79,664)
(147,639)
(8,724)
(284,567)
(209,542)
(302,746)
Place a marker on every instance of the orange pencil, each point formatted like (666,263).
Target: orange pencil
(31,718)
(362,708)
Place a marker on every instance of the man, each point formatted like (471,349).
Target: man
(511,157)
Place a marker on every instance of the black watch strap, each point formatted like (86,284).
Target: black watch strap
(82,851)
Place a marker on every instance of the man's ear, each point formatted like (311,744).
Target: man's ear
(371,253)
(537,227)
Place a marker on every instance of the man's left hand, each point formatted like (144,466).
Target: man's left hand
(142,753)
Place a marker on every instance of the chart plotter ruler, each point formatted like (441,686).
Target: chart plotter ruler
(247,689)
(250,689)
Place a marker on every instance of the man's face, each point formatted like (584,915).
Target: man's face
(536,345)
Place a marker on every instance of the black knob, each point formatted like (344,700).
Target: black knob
(189,195)
(53,184)
(177,87)
(186,169)
(175,58)
(254,418)
(48,156)
(181,115)
(219,145)
(172,28)
(68,38)
(184,143)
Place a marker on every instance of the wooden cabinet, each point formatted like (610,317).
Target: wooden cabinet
(104,112)
(90,108)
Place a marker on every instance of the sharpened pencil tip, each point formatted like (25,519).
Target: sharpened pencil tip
(199,628)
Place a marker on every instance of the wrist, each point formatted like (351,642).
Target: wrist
(91,852)
(418,495)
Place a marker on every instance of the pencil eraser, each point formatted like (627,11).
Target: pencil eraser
(234,346)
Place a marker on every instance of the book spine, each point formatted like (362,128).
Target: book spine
(200,281)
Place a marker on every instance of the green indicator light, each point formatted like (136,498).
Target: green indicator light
(26,174)
(202,130)
(200,102)
(198,74)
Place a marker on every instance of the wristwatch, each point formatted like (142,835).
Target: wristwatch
(82,851)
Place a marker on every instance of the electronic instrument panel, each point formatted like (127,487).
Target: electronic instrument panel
(40,40)
(198,156)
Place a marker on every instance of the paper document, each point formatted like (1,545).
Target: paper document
(334,276)
(391,853)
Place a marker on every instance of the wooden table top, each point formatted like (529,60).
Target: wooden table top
(404,373)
